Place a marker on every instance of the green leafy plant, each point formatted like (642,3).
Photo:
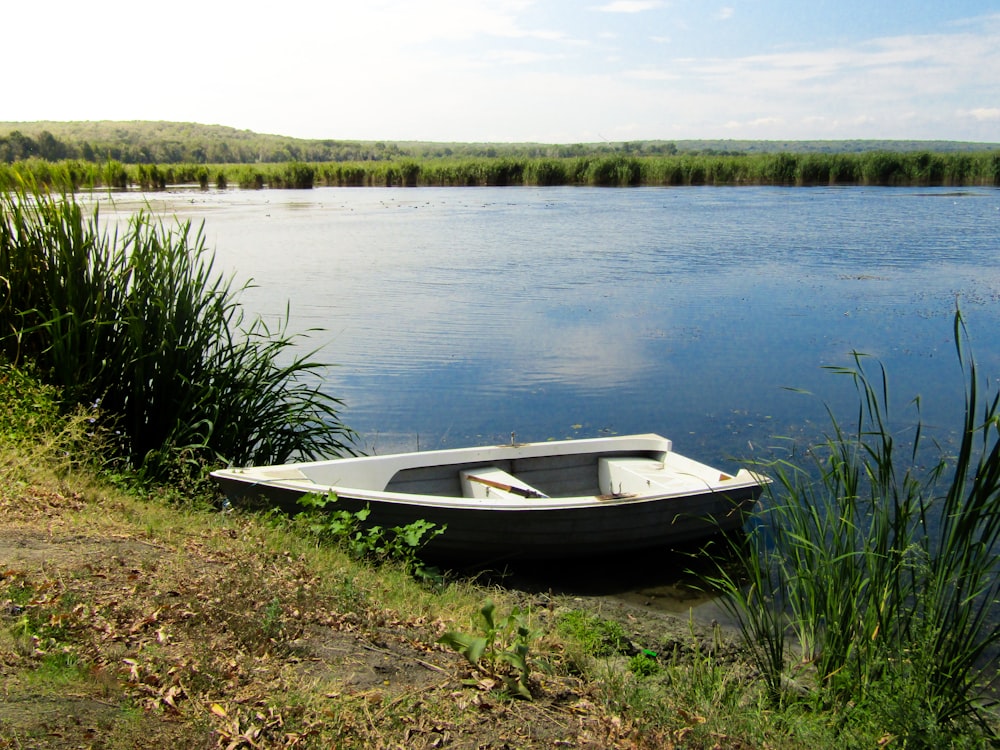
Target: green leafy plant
(31,408)
(500,649)
(363,541)
(644,664)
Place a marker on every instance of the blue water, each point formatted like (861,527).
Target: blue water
(456,316)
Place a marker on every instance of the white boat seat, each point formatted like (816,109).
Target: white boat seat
(633,476)
(490,482)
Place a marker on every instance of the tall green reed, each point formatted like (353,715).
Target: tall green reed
(138,321)
(884,572)
(621,168)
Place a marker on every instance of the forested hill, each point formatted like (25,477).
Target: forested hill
(141,142)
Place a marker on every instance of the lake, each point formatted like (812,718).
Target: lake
(457,316)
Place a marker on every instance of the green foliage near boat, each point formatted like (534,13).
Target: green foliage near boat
(596,635)
(136,325)
(883,573)
(364,541)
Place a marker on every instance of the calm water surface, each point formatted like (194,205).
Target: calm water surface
(459,315)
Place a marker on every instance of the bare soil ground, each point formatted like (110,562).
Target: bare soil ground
(116,635)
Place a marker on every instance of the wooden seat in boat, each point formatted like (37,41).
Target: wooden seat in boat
(492,482)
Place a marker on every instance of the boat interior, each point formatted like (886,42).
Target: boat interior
(574,475)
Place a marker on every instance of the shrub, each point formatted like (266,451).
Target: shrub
(365,541)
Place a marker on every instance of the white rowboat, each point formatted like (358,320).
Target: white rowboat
(556,499)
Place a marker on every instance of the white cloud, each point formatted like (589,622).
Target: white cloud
(649,74)
(424,22)
(521,57)
(724,14)
(910,65)
(982,114)
(760,122)
(629,6)
(907,86)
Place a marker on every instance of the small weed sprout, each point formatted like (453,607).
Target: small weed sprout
(596,636)
(272,624)
(500,649)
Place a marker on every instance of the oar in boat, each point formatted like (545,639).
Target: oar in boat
(513,489)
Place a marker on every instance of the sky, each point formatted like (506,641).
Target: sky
(549,71)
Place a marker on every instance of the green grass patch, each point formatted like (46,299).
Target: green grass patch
(595,635)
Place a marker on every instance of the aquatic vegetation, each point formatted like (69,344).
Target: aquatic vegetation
(883,168)
(884,571)
(138,322)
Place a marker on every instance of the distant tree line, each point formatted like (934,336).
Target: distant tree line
(173,143)
(17,146)
(208,145)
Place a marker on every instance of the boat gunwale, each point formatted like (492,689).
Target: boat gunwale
(648,442)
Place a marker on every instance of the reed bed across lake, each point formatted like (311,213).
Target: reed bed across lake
(916,169)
